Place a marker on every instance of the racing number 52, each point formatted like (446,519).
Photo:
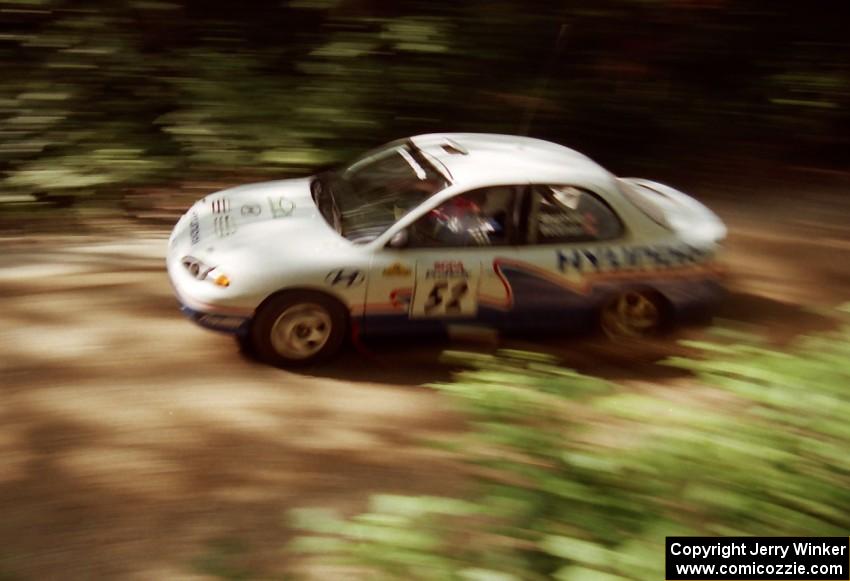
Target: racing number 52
(446,295)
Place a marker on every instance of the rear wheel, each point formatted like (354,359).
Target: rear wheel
(634,313)
(299,328)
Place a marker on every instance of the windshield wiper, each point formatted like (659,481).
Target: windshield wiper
(422,158)
(417,169)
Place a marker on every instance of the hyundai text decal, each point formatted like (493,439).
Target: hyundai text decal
(627,258)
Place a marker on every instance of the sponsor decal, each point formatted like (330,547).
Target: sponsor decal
(446,289)
(583,260)
(443,269)
(195,228)
(224,225)
(220,206)
(401,297)
(397,269)
(251,210)
(347,277)
(564,224)
(281,207)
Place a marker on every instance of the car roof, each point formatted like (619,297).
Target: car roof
(481,159)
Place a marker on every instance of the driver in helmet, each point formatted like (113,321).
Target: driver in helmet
(462,222)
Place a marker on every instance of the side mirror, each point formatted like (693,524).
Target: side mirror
(399,239)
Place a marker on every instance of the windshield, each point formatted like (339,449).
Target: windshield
(374,191)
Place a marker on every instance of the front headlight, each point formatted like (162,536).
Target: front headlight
(196,268)
(200,271)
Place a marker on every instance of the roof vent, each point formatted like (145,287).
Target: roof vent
(453,148)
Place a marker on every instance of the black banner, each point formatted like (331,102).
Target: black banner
(757,558)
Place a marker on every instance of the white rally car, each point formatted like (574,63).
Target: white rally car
(502,231)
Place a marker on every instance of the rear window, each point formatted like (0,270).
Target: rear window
(646,200)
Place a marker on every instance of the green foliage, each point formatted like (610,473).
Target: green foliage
(225,558)
(578,479)
(99,95)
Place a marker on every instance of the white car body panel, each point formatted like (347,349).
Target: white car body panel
(289,240)
(270,237)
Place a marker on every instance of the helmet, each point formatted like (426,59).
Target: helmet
(460,222)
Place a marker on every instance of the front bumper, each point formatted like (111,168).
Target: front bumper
(232,324)
(216,318)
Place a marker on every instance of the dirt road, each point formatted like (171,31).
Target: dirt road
(130,438)
(131,441)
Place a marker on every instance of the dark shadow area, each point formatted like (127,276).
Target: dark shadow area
(417,361)
(775,320)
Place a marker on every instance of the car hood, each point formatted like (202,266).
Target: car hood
(276,216)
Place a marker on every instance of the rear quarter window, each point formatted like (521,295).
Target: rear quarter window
(571,214)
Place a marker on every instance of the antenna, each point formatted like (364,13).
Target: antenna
(543,83)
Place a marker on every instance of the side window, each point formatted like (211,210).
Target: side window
(482,217)
(570,214)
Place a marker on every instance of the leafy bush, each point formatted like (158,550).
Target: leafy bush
(580,480)
(98,96)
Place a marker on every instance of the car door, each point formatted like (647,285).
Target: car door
(444,274)
(569,232)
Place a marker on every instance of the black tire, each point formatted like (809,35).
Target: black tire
(650,313)
(245,343)
(299,328)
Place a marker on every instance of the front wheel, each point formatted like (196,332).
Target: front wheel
(299,328)
(634,313)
